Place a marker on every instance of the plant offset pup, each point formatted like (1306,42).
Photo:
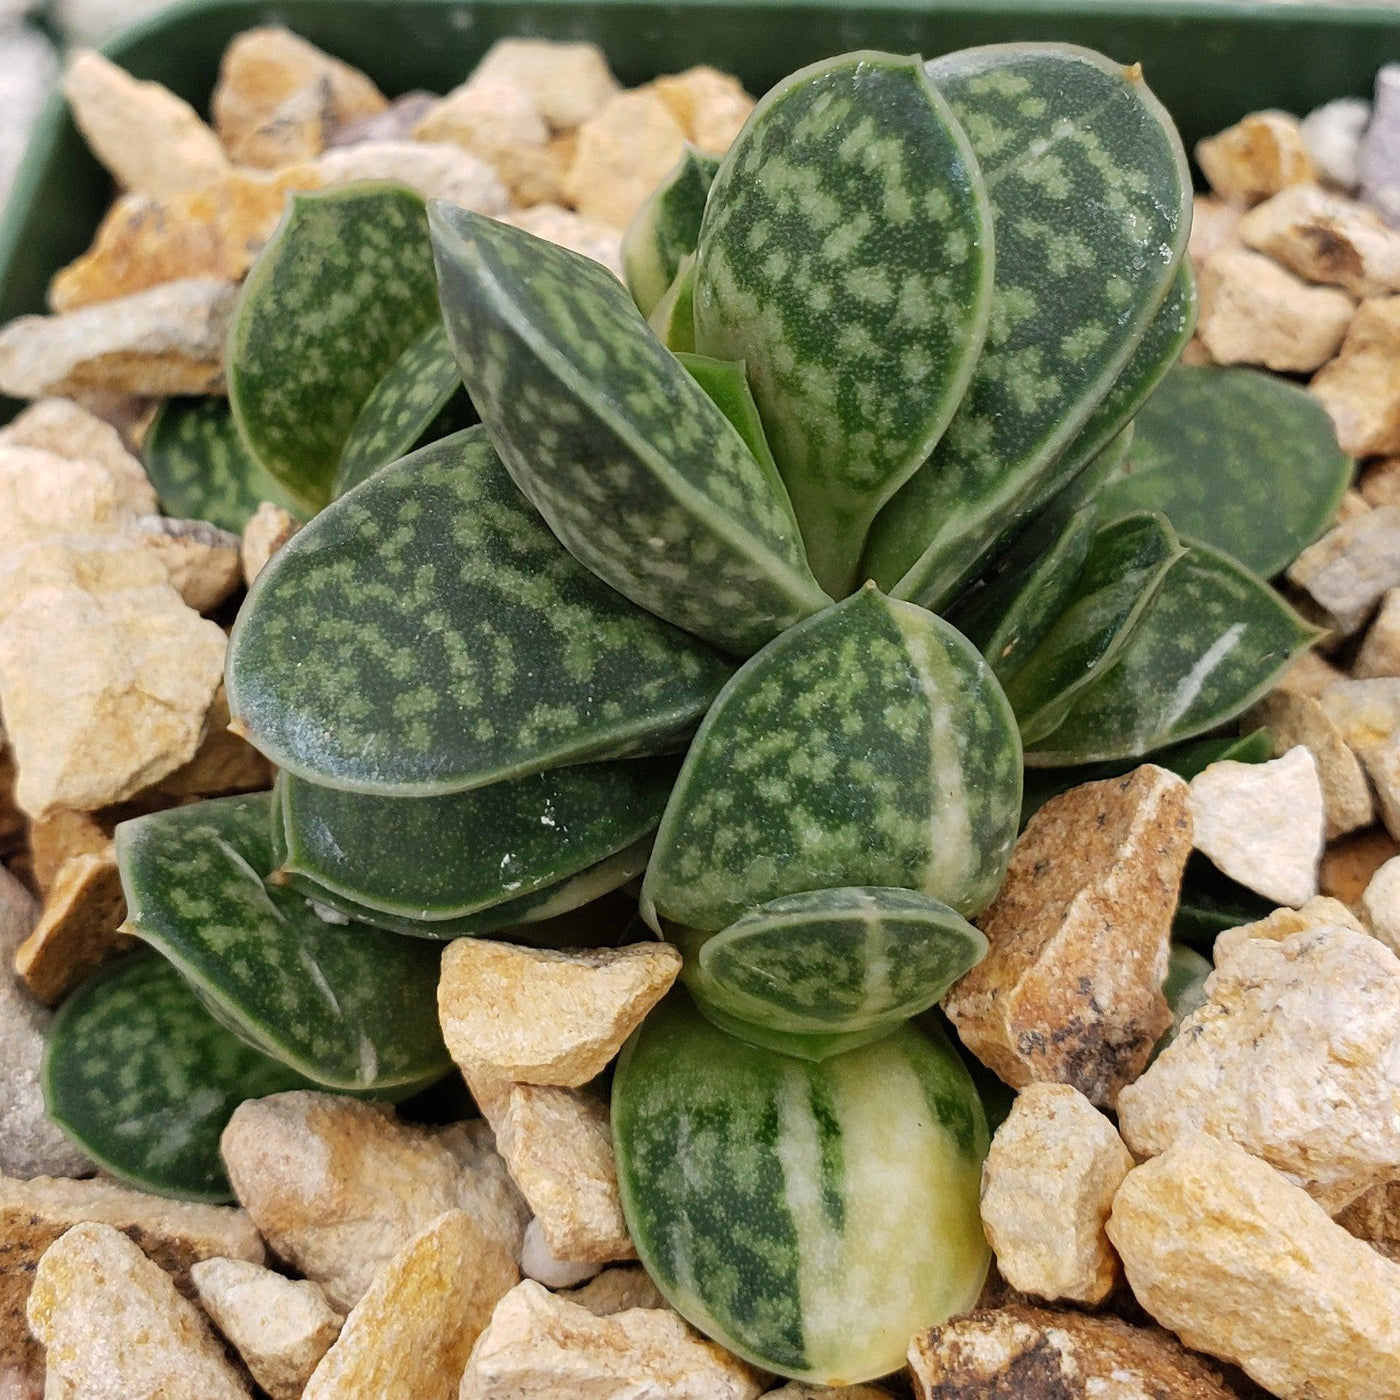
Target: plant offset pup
(627,624)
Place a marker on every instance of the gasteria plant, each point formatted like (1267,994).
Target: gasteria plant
(859,508)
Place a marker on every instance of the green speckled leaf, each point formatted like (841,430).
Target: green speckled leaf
(673,317)
(347,1006)
(1238,459)
(1090,197)
(400,409)
(1127,563)
(344,287)
(665,230)
(144,1079)
(200,468)
(433,858)
(1213,641)
(837,960)
(634,469)
(846,256)
(427,634)
(809,1216)
(868,746)
(727,383)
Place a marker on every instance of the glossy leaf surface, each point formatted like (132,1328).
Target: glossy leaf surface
(347,1006)
(846,257)
(727,384)
(634,469)
(665,230)
(427,634)
(673,317)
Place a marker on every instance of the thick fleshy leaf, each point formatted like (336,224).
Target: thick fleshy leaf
(846,257)
(401,408)
(1211,902)
(870,745)
(727,383)
(1126,565)
(673,317)
(1213,641)
(344,287)
(636,471)
(433,858)
(1090,198)
(427,634)
(1238,459)
(665,230)
(809,1216)
(144,1079)
(347,1006)
(836,960)
(200,468)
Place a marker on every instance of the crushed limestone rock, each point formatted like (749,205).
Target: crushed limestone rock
(1360,388)
(623,153)
(1260,155)
(1349,570)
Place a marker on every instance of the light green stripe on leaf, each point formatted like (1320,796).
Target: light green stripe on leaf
(673,317)
(846,256)
(727,383)
(427,634)
(634,469)
(343,288)
(1090,198)
(666,228)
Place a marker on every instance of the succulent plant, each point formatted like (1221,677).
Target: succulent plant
(767,581)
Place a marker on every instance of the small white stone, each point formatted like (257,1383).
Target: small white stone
(1332,138)
(437,170)
(567,83)
(1322,912)
(1262,824)
(1380,147)
(539,1263)
(202,560)
(1349,570)
(623,153)
(1360,389)
(1381,904)
(1368,715)
(601,242)
(1379,656)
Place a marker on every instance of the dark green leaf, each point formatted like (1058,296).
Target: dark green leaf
(727,383)
(1090,198)
(144,1079)
(665,230)
(846,257)
(1211,902)
(1238,459)
(1213,641)
(635,470)
(348,1006)
(427,634)
(344,287)
(868,746)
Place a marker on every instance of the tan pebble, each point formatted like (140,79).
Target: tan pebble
(56,838)
(540,1347)
(1292,718)
(544,1017)
(175,1234)
(79,930)
(414,1328)
(710,106)
(1258,156)
(1349,569)
(1352,504)
(1071,989)
(1029,1353)
(167,340)
(1379,655)
(223,763)
(615,1291)
(1320,912)
(601,242)
(69,430)
(623,154)
(1327,238)
(1368,714)
(499,122)
(1348,865)
(42,493)
(795,1390)
(1295,1056)
(394,123)
(1360,389)
(153,142)
(112,1325)
(539,1262)
(201,559)
(1309,673)
(279,99)
(1379,482)
(1241,1264)
(279,1327)
(1375,1218)
(1381,904)
(1047,1186)
(1214,225)
(1194,353)
(436,170)
(567,83)
(1253,312)
(337,1185)
(267,530)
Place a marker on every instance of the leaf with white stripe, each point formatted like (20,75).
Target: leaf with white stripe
(846,257)
(666,228)
(870,745)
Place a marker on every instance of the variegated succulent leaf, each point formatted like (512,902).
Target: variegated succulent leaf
(1212,642)
(428,859)
(632,466)
(347,1006)
(673,317)
(427,634)
(810,1216)
(846,257)
(144,1079)
(870,745)
(1126,565)
(1090,198)
(727,383)
(401,408)
(343,288)
(665,229)
(1238,459)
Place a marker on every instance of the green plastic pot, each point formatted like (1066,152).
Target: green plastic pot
(1210,61)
